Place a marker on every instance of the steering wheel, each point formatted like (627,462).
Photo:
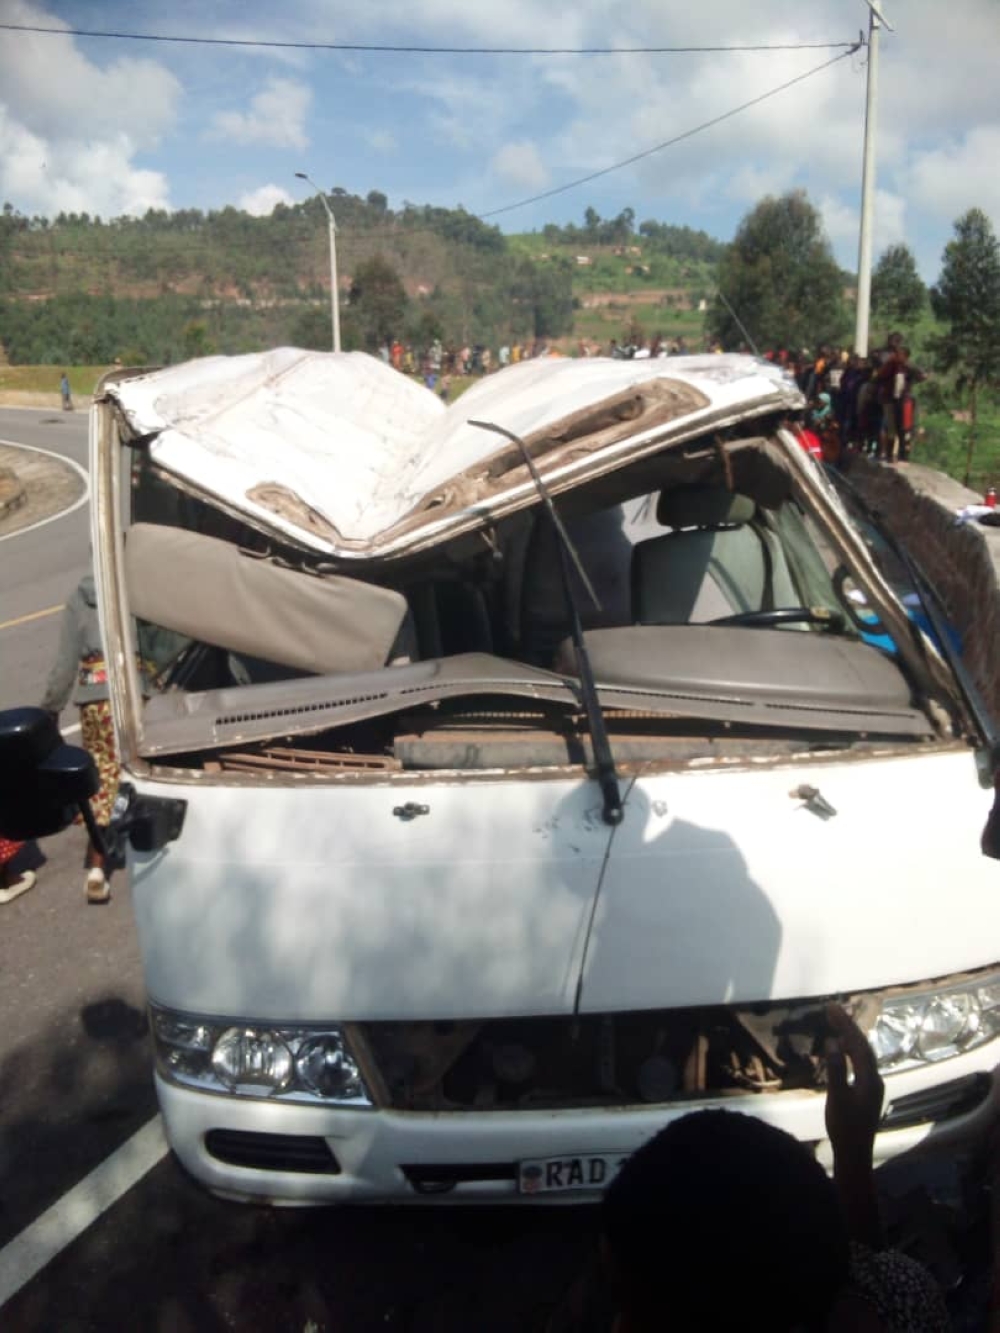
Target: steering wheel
(785,615)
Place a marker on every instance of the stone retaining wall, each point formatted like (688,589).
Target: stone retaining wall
(962,560)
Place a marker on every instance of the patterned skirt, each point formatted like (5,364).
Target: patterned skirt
(8,850)
(98,735)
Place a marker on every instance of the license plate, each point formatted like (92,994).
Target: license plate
(555,1175)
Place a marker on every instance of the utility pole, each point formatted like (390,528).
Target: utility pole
(334,290)
(876,20)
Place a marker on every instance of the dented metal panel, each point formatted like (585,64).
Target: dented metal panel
(342,455)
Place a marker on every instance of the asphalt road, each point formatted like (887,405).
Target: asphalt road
(39,567)
(73,1069)
(75,1086)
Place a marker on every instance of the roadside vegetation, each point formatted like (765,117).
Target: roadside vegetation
(45,379)
(79,293)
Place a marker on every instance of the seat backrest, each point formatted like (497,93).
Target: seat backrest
(605,552)
(698,575)
(255,607)
(717,562)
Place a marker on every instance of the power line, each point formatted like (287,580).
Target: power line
(668,143)
(402,232)
(386,49)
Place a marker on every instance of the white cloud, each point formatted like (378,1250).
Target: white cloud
(53,176)
(70,129)
(890,219)
(276,117)
(842,221)
(519,164)
(262,201)
(381,141)
(79,131)
(55,91)
(948,180)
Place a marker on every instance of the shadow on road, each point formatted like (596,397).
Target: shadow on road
(171,1258)
(68,1098)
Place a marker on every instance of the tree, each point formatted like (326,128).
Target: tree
(424,329)
(780,277)
(541,297)
(897,292)
(312,329)
(195,341)
(967,298)
(377,302)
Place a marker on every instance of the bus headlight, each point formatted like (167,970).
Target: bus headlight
(923,1027)
(301,1064)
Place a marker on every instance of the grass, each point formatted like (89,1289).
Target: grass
(602,323)
(942,443)
(608,272)
(942,435)
(45,379)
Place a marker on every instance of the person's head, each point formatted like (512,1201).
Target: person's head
(716,1207)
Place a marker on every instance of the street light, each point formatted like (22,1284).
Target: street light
(334,293)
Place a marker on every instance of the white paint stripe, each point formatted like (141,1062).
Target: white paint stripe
(36,1246)
(71,731)
(84,498)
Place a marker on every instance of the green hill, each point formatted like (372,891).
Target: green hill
(80,289)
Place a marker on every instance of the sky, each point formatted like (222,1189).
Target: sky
(114,127)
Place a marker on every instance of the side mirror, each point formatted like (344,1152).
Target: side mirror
(44,782)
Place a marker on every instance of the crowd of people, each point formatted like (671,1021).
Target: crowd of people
(855,403)
(437,364)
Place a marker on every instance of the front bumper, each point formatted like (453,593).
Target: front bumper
(343,1155)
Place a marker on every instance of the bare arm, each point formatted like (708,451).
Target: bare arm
(853,1110)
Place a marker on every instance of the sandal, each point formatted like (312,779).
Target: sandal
(98,888)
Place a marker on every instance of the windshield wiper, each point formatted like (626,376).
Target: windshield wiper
(604,763)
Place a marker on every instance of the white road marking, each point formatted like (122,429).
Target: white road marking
(36,1246)
(71,731)
(83,499)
